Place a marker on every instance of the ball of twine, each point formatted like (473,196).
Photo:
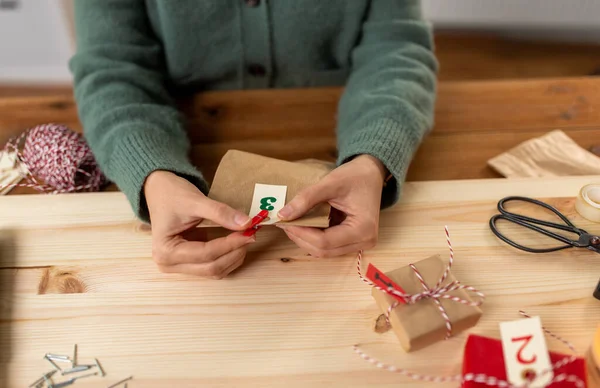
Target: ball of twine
(59,157)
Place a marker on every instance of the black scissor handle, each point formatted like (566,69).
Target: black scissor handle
(519,221)
(569,227)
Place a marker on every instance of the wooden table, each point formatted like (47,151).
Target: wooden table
(475,121)
(77,269)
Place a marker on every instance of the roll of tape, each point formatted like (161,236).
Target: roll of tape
(588,202)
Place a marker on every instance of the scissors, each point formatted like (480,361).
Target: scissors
(585,240)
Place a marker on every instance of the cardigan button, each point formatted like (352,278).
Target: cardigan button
(252,3)
(257,70)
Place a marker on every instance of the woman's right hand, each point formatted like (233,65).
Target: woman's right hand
(176,208)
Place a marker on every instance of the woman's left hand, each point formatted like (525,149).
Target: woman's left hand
(354,189)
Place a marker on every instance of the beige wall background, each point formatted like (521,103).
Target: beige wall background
(36,42)
(67,6)
(37,39)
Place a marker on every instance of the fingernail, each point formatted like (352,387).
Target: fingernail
(285,212)
(242,219)
(251,240)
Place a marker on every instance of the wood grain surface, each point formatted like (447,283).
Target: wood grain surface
(475,121)
(469,55)
(463,55)
(77,269)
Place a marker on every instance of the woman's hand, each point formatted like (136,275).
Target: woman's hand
(176,208)
(354,189)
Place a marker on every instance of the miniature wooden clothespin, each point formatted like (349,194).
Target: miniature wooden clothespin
(254,226)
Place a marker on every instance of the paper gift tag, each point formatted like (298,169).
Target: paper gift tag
(7,179)
(382,280)
(270,198)
(526,353)
(8,161)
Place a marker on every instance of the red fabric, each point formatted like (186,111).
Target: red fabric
(484,355)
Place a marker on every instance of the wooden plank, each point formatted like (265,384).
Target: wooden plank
(77,269)
(465,155)
(18,114)
(513,106)
(475,121)
(484,106)
(440,157)
(465,55)
(29,90)
(455,156)
(461,107)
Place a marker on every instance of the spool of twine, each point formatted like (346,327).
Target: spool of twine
(57,156)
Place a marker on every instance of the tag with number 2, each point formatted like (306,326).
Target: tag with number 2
(526,355)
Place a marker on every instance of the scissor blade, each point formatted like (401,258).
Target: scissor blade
(593,249)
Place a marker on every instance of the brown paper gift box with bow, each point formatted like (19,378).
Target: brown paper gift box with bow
(239,171)
(421,324)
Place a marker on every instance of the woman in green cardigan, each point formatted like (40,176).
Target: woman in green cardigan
(131,55)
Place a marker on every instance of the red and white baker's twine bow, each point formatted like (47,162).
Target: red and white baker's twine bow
(57,155)
(441,292)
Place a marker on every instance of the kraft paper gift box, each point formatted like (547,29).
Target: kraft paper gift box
(421,324)
(239,171)
(485,356)
(554,154)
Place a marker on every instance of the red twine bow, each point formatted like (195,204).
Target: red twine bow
(439,291)
(58,156)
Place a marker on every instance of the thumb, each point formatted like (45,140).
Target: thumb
(304,201)
(223,215)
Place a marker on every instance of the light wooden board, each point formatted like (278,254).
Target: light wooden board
(272,323)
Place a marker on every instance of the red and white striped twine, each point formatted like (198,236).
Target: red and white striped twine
(58,156)
(440,292)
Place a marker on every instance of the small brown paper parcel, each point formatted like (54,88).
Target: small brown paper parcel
(421,324)
(239,171)
(551,155)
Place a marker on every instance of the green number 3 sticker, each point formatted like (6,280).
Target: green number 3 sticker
(266,203)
